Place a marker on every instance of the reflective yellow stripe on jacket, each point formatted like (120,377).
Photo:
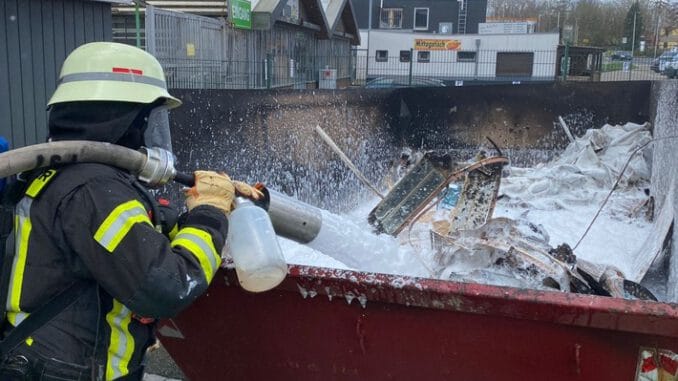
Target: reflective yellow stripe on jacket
(22,228)
(22,233)
(116,226)
(112,231)
(121,345)
(200,244)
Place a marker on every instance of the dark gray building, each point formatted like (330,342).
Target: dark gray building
(35,38)
(433,16)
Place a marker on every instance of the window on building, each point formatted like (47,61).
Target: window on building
(466,56)
(391,18)
(445,28)
(423,56)
(405,56)
(382,56)
(421,18)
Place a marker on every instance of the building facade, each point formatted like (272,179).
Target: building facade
(458,59)
(422,16)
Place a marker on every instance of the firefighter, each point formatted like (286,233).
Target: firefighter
(88,228)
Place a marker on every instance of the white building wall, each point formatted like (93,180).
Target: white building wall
(445,64)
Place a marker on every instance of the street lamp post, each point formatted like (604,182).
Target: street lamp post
(633,35)
(656,35)
(369,30)
(659,4)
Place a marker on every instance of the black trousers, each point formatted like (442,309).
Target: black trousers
(25,364)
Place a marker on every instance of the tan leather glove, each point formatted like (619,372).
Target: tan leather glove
(247,191)
(218,190)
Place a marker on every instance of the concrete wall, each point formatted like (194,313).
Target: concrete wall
(268,135)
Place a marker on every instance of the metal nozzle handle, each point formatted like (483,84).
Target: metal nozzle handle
(185,179)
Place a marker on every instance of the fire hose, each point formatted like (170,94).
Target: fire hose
(291,218)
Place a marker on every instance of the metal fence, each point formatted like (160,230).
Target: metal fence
(635,69)
(424,68)
(271,72)
(201,52)
(413,67)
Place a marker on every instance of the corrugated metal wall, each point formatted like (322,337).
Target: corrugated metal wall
(35,38)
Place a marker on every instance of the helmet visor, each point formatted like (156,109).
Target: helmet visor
(157,133)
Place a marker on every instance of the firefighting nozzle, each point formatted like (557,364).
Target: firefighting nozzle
(294,219)
(258,259)
(291,218)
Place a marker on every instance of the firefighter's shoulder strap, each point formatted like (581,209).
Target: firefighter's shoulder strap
(48,311)
(42,316)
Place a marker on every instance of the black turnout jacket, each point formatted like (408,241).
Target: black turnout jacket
(89,222)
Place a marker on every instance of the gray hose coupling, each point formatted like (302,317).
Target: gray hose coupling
(158,169)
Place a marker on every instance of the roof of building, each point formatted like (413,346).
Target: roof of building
(341,11)
(267,12)
(321,15)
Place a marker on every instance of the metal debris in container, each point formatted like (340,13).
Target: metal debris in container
(420,186)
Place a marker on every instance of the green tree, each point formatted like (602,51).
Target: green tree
(633,16)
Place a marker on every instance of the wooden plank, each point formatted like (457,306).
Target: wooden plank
(566,128)
(346,160)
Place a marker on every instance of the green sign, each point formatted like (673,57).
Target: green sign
(241,13)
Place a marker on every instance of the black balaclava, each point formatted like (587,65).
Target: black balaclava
(121,123)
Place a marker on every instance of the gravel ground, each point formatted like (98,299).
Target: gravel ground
(155,377)
(161,367)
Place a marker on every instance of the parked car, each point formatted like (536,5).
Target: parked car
(621,55)
(659,63)
(671,67)
(391,82)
